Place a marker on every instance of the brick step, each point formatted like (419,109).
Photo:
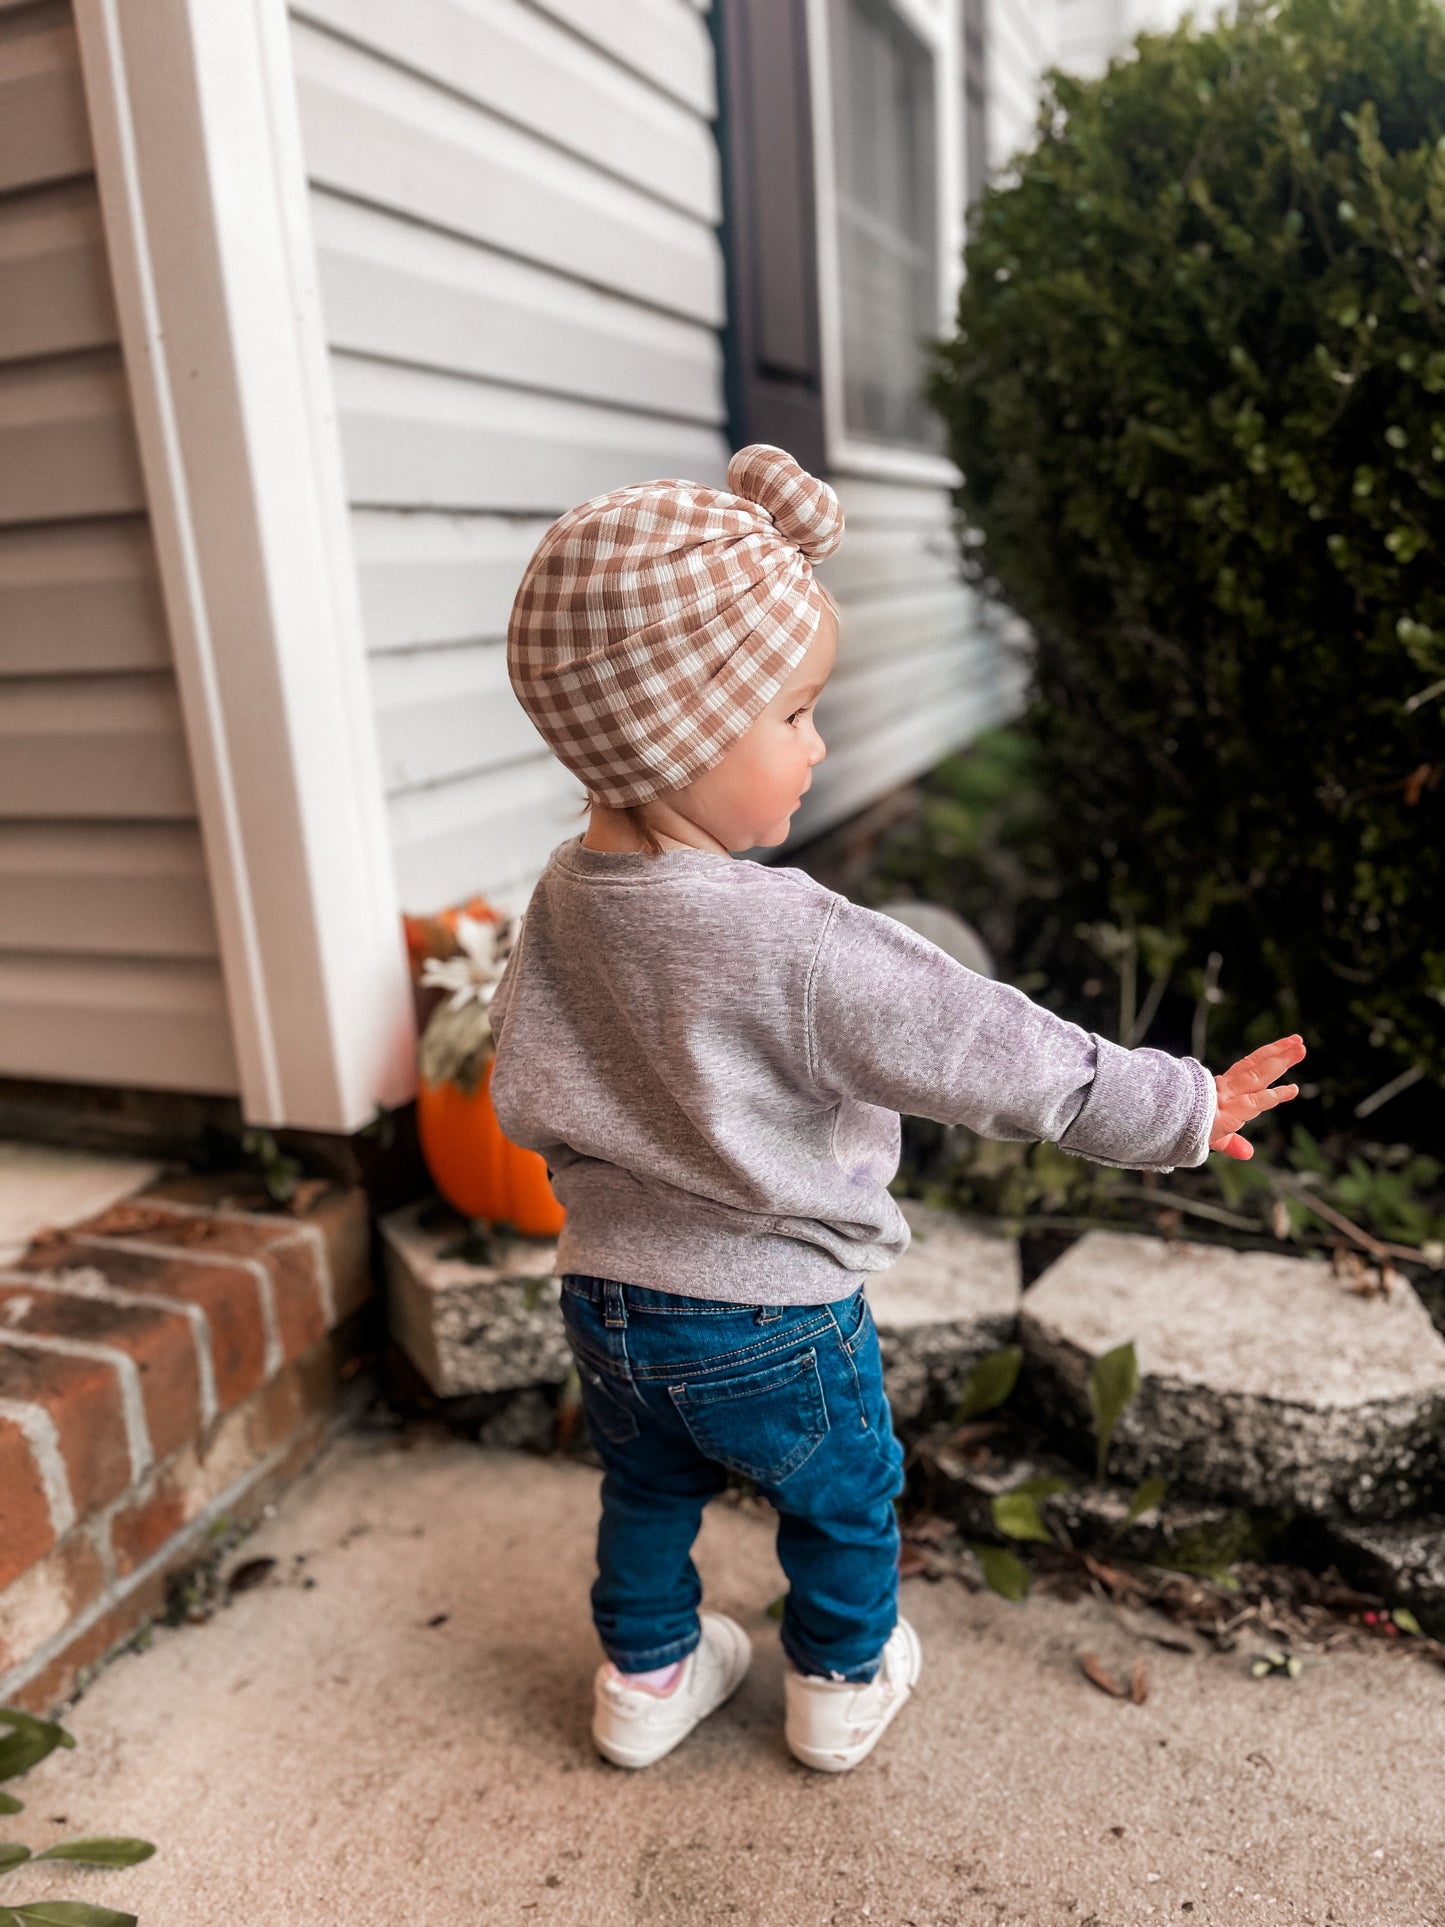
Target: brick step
(162,1363)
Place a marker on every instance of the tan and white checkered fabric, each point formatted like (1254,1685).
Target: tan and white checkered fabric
(654,622)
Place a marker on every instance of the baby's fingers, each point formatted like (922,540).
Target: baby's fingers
(1264,1065)
(1235,1147)
(1255,1103)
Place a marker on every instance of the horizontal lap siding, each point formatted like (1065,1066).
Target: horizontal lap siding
(1023,40)
(516,210)
(108,956)
(920,666)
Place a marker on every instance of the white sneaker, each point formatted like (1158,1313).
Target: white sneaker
(633,1728)
(833,1724)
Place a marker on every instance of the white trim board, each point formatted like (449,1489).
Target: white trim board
(938,25)
(204,200)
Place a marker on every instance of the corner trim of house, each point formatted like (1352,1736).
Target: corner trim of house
(203,196)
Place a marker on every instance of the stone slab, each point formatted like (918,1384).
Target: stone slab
(1404,1562)
(43,1188)
(952,1298)
(1193,1535)
(1265,1380)
(473,1328)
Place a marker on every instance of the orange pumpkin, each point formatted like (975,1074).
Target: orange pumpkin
(478,1171)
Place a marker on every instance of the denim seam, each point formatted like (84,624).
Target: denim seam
(809,1662)
(847,1351)
(651,1657)
(761,1349)
(726,1393)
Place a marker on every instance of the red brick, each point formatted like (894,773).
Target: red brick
(228,1295)
(344,1222)
(82,1569)
(162,1344)
(300,1316)
(58,1680)
(82,1396)
(26,1532)
(141,1527)
(339,1213)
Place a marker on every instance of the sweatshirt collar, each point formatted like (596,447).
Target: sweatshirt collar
(574,855)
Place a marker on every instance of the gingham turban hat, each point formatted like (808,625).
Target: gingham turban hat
(654,622)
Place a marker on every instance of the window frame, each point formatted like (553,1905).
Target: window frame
(937,24)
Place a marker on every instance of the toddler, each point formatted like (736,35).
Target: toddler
(712,1057)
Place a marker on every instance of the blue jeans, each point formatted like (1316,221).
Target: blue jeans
(676,1392)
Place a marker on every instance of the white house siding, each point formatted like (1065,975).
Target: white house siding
(516,210)
(1023,40)
(108,955)
(1091,32)
(919,671)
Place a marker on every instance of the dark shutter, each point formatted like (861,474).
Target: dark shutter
(774,357)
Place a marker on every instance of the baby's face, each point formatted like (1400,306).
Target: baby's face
(749,797)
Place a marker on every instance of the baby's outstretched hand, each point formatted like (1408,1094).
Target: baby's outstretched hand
(1244,1091)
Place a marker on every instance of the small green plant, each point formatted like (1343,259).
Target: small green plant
(1016,1512)
(1148,1494)
(1003,1571)
(279,1173)
(29,1741)
(989,1383)
(1113,1384)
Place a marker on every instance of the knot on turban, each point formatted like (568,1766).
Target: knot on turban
(653,623)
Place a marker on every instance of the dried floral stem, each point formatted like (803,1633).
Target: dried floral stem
(1192,1207)
(1377,1247)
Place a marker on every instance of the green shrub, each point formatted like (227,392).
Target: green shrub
(1198,396)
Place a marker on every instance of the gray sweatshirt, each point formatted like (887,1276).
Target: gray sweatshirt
(711,1054)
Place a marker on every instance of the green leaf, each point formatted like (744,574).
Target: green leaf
(1406,1620)
(101,1850)
(72,1913)
(1017,1515)
(12,1854)
(9,1804)
(31,1741)
(989,1383)
(1003,1573)
(1146,1496)
(775,1607)
(1113,1384)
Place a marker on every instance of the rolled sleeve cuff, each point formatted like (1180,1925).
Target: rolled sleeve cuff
(1145,1111)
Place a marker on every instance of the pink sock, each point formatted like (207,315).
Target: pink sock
(660,1680)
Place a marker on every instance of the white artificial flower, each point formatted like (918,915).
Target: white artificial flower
(475,974)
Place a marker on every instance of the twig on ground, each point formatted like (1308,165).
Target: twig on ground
(1192,1207)
(1377,1247)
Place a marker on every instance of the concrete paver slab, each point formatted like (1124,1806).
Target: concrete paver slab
(43,1187)
(1265,1379)
(326,1755)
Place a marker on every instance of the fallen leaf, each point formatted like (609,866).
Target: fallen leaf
(1139,1682)
(1415,782)
(1093,1668)
(911,1562)
(249,1573)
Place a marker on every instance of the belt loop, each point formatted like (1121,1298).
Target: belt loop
(614,1311)
(766,1313)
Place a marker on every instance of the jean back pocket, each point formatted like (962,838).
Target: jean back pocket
(763,1424)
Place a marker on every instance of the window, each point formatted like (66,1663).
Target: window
(886,152)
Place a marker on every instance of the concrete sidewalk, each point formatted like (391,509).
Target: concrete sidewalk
(320,1754)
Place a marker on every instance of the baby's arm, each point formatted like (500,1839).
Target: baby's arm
(892,1020)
